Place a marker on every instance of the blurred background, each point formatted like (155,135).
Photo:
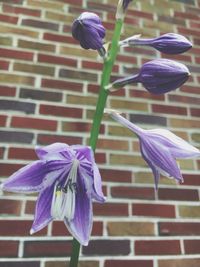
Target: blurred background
(48,93)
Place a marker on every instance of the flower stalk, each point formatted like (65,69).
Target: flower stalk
(101,102)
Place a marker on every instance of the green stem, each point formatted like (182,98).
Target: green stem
(103,94)
(105,79)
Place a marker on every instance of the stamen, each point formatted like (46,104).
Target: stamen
(63,202)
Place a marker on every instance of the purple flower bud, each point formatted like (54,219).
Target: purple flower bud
(121,8)
(125,4)
(158,76)
(89,31)
(169,43)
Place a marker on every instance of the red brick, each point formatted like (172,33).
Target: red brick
(107,247)
(116,175)
(4,65)
(58,38)
(10,207)
(3,120)
(80,127)
(179,228)
(184,99)
(8,19)
(153,210)
(195,112)
(192,246)
(110,209)
(59,229)
(18,228)
(2,149)
(169,109)
(6,169)
(61,111)
(64,85)
(21,10)
(191,179)
(21,153)
(51,248)
(142,94)
(100,158)
(32,123)
(127,59)
(30,207)
(157,247)
(57,60)
(7,90)
(92,65)
(133,192)
(45,139)
(8,248)
(15,54)
(184,262)
(178,194)
(185,15)
(188,32)
(190,89)
(128,263)
(40,24)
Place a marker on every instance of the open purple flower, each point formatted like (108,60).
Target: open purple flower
(158,76)
(169,43)
(160,148)
(67,179)
(89,31)
(121,8)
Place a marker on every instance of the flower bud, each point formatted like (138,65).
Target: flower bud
(89,31)
(121,8)
(158,76)
(169,43)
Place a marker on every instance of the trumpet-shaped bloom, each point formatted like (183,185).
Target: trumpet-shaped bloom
(160,148)
(158,76)
(89,31)
(67,179)
(169,43)
(121,8)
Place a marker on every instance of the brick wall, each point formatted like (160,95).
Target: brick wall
(48,91)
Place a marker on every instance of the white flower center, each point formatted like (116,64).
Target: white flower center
(64,198)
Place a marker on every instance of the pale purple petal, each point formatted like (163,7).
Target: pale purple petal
(179,148)
(43,209)
(27,179)
(155,171)
(97,193)
(81,225)
(161,158)
(52,151)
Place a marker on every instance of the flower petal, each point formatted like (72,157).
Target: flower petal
(97,189)
(155,171)
(43,209)
(28,179)
(81,225)
(52,151)
(161,158)
(179,148)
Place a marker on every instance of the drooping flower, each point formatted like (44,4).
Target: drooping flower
(160,148)
(89,31)
(67,179)
(121,8)
(158,76)
(169,43)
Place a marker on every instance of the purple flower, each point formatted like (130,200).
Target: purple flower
(89,31)
(67,179)
(160,148)
(169,43)
(158,76)
(121,8)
